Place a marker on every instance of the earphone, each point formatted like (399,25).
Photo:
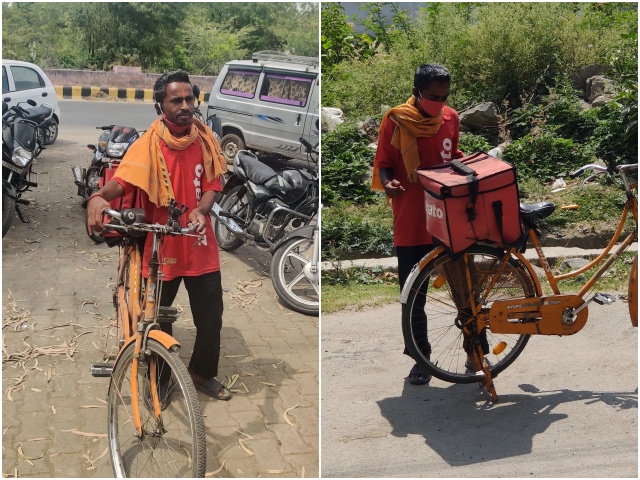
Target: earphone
(159,109)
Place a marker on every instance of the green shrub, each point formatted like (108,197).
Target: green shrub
(470,143)
(545,156)
(346,165)
(349,230)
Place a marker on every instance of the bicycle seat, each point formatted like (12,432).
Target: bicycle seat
(532,212)
(256,171)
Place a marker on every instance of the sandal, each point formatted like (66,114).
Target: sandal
(214,389)
(419,375)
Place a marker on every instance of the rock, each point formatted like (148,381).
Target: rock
(369,129)
(571,264)
(600,100)
(580,78)
(331,118)
(597,86)
(481,116)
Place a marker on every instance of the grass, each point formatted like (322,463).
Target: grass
(357,296)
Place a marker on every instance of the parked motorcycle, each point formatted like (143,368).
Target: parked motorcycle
(295,268)
(260,206)
(19,143)
(108,151)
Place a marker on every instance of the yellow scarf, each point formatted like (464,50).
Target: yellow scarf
(144,165)
(410,124)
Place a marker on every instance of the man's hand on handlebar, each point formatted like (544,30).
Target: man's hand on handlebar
(95,207)
(196,217)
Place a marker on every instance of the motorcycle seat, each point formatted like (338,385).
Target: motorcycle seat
(256,171)
(37,114)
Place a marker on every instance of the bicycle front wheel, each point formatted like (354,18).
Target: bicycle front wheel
(171,446)
(434,311)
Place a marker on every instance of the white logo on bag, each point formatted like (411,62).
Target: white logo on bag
(446,145)
(434,211)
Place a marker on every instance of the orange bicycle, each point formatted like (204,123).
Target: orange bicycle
(155,425)
(467,318)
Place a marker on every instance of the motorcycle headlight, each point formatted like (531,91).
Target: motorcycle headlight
(21,157)
(116,150)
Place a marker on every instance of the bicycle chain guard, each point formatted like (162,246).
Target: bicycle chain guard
(551,315)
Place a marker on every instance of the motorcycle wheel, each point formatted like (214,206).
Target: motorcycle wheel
(290,282)
(51,132)
(96,237)
(227,240)
(8,210)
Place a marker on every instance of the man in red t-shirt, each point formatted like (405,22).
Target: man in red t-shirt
(428,132)
(187,151)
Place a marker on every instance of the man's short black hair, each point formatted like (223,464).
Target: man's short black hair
(429,72)
(160,87)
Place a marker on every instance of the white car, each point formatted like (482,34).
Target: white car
(22,81)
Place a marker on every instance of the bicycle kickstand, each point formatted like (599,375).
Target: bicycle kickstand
(481,366)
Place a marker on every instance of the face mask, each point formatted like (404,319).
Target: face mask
(173,127)
(431,107)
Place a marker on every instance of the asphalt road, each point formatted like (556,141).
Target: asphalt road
(57,311)
(568,405)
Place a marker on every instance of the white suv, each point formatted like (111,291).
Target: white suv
(22,81)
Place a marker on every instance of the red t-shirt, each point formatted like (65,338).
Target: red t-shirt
(409,217)
(189,182)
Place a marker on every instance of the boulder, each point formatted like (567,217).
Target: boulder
(369,129)
(481,116)
(599,85)
(331,118)
(579,79)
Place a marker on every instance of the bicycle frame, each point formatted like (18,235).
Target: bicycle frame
(138,324)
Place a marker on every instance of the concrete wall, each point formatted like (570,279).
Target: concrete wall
(95,78)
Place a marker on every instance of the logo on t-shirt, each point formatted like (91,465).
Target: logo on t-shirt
(446,152)
(198,184)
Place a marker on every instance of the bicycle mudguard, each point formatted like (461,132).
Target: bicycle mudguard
(166,340)
(537,315)
(632,297)
(415,271)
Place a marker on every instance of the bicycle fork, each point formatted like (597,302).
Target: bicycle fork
(472,329)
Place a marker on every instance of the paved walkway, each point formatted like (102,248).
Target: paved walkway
(56,292)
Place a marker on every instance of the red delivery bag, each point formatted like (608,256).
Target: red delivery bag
(471,199)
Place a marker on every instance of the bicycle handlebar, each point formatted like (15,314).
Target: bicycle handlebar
(591,166)
(128,218)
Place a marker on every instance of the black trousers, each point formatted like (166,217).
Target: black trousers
(407,258)
(205,297)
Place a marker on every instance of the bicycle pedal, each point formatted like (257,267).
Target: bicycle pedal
(604,299)
(167,314)
(101,369)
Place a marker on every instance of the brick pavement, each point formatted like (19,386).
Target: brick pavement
(56,291)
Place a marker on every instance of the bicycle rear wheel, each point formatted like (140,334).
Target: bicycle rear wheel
(172,446)
(430,313)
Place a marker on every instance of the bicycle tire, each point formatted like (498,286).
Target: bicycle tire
(178,449)
(287,273)
(227,240)
(447,356)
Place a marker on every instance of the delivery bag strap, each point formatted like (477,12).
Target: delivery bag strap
(472,181)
